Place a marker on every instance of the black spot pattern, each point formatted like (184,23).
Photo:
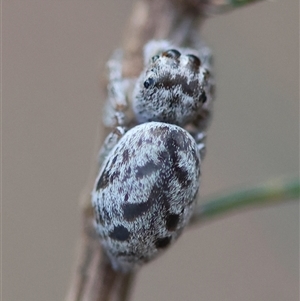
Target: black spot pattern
(125,155)
(180,172)
(203,97)
(105,215)
(120,233)
(168,82)
(103,181)
(172,221)
(147,169)
(182,176)
(132,211)
(114,176)
(162,243)
(114,160)
(155,194)
(126,197)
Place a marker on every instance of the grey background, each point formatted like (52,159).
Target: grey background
(53,58)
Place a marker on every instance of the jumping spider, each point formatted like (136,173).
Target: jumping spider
(145,192)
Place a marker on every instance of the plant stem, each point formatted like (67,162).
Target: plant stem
(270,193)
(218,7)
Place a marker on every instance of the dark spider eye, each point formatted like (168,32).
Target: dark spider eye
(203,97)
(194,60)
(172,53)
(148,82)
(154,58)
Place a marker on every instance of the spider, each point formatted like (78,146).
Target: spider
(146,189)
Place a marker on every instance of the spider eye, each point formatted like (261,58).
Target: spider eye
(194,60)
(148,82)
(171,53)
(154,58)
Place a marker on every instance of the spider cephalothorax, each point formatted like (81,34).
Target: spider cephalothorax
(172,88)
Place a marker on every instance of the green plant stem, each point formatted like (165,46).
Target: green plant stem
(270,193)
(215,7)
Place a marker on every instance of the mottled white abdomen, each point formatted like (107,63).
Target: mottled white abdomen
(145,192)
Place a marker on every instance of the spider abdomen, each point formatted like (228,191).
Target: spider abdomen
(145,192)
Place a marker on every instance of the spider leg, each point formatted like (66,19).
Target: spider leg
(118,89)
(109,143)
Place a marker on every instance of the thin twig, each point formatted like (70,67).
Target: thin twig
(267,194)
(126,285)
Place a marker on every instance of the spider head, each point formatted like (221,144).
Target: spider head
(172,89)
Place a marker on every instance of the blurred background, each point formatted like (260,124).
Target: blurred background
(54,53)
